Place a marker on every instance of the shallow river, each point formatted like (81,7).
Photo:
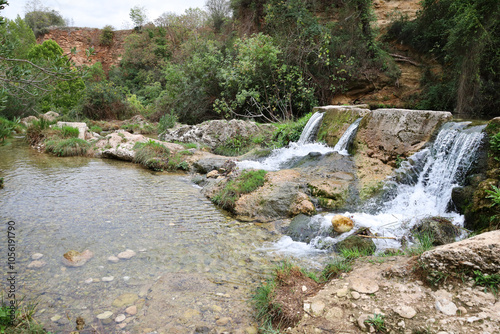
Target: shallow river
(195,266)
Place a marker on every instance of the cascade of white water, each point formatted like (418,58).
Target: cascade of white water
(309,132)
(279,158)
(342,145)
(437,170)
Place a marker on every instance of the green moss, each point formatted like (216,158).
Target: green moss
(332,124)
(245,183)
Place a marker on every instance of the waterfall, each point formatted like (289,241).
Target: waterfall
(443,166)
(342,145)
(310,130)
(286,156)
(420,188)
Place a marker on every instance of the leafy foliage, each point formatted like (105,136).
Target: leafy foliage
(463,36)
(104,100)
(107,34)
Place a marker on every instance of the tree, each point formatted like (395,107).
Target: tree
(138,16)
(218,10)
(27,77)
(3,3)
(39,18)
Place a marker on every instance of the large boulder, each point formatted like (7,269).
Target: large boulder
(83,129)
(281,196)
(217,132)
(120,145)
(481,252)
(386,134)
(50,116)
(440,229)
(303,228)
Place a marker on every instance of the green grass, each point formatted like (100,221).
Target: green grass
(245,183)
(67,147)
(378,323)
(22,322)
(424,243)
(157,157)
(336,267)
(69,132)
(489,281)
(152,154)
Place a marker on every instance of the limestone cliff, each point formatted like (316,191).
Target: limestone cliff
(81,39)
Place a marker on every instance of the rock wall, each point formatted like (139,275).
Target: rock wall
(85,38)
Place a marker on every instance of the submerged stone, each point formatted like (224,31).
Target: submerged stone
(125,300)
(126,254)
(76,259)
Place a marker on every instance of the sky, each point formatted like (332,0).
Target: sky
(99,13)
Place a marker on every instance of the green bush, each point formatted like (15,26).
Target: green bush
(167,121)
(290,131)
(234,146)
(106,37)
(104,100)
(7,128)
(67,147)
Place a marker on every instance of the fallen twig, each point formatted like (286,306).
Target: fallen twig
(375,237)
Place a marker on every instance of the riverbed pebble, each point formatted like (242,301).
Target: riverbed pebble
(104,315)
(36,256)
(126,254)
(120,318)
(108,278)
(89,280)
(131,310)
(113,259)
(37,264)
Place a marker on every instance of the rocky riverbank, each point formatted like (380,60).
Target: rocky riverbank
(437,292)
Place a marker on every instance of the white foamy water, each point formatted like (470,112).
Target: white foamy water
(342,145)
(283,157)
(431,173)
(279,158)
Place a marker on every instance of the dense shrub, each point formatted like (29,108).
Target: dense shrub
(463,36)
(106,37)
(104,100)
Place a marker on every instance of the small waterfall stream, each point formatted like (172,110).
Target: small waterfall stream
(285,157)
(342,145)
(420,188)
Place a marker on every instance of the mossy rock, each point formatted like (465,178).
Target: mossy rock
(441,230)
(303,228)
(363,245)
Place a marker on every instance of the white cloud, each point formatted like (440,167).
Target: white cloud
(99,13)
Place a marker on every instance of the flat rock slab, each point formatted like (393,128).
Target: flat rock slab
(363,285)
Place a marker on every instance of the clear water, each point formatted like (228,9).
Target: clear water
(107,206)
